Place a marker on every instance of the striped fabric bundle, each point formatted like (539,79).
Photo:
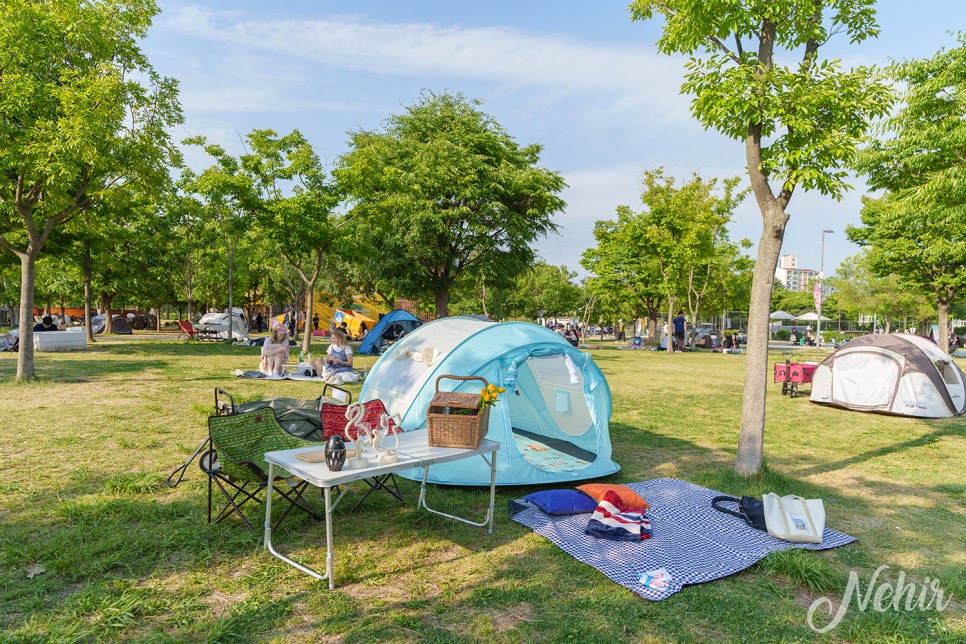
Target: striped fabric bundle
(617,521)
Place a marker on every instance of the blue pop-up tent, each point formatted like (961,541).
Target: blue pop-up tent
(374,339)
(551,423)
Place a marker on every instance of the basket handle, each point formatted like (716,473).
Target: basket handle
(485,383)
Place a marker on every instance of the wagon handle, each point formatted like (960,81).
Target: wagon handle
(485,383)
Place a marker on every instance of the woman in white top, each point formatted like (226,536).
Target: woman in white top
(275,351)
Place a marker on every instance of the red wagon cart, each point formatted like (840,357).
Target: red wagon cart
(791,374)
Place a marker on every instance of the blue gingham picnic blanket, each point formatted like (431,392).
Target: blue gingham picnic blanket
(691,540)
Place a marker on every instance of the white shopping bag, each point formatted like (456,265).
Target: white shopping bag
(793,518)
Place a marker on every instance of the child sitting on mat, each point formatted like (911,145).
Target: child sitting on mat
(338,357)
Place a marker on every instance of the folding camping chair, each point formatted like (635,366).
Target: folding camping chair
(334,423)
(300,418)
(189,332)
(235,464)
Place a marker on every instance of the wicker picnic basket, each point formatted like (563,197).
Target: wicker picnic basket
(454,419)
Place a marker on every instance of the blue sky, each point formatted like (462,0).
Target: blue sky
(577,77)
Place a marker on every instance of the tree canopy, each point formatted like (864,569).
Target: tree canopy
(81,113)
(917,228)
(444,193)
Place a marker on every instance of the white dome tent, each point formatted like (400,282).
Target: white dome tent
(898,374)
(551,423)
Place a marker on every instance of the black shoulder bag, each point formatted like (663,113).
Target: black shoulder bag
(751,510)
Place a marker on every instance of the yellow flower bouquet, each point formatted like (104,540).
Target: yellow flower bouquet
(489,395)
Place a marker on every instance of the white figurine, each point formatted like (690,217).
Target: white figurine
(354,414)
(386,455)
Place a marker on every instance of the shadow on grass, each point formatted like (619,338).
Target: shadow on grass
(53,370)
(922,441)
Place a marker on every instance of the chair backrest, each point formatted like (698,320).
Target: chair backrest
(186,327)
(244,438)
(334,420)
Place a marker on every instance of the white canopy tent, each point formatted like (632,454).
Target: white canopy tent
(812,316)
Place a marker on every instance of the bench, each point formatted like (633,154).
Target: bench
(72,339)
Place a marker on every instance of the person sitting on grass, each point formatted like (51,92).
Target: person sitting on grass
(338,357)
(275,352)
(10,340)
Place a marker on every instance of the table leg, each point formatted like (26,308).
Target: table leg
(488,519)
(268,532)
(492,490)
(329,552)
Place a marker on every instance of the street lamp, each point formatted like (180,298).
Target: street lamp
(821,294)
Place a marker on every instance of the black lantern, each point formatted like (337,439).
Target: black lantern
(335,453)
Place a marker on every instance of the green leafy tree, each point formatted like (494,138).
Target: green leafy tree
(81,112)
(857,291)
(917,229)
(731,273)
(800,123)
(682,228)
(794,302)
(444,193)
(553,289)
(230,203)
(623,272)
(297,214)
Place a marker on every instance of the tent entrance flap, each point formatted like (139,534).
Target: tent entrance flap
(553,428)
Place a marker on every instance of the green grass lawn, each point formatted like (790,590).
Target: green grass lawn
(95,547)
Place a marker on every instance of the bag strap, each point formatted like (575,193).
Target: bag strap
(731,499)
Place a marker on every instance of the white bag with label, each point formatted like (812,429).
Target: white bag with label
(793,518)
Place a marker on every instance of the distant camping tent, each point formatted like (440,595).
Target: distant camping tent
(374,340)
(892,374)
(119,324)
(218,324)
(552,422)
(353,321)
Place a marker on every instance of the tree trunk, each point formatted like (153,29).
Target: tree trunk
(309,305)
(25,355)
(88,295)
(442,303)
(943,339)
(483,299)
(670,325)
(751,435)
(108,317)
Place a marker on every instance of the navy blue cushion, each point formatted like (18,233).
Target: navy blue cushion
(562,501)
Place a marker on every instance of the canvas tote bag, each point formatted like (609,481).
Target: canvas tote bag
(793,518)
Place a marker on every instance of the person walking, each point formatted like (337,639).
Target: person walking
(680,330)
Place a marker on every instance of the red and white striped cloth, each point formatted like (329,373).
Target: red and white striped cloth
(615,520)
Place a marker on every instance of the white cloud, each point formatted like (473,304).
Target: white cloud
(277,55)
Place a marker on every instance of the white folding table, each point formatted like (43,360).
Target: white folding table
(414,451)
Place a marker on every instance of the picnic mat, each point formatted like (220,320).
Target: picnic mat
(291,375)
(692,541)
